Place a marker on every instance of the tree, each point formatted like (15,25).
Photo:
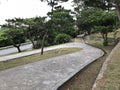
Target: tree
(117,6)
(33,29)
(83,21)
(41,27)
(78,7)
(53,3)
(63,22)
(103,4)
(105,24)
(29,31)
(14,32)
(97,21)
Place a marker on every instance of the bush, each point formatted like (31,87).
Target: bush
(39,43)
(105,43)
(72,32)
(62,38)
(5,42)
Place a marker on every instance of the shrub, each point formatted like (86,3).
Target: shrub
(62,38)
(5,42)
(72,32)
(39,43)
(105,43)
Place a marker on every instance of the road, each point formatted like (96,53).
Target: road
(14,50)
(51,73)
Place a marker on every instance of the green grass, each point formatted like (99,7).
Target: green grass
(111,77)
(36,57)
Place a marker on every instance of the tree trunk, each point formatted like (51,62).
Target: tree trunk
(32,41)
(18,47)
(105,38)
(118,11)
(105,42)
(42,46)
(52,9)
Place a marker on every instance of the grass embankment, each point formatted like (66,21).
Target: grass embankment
(85,78)
(36,57)
(111,76)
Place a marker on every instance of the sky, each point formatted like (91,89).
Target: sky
(25,9)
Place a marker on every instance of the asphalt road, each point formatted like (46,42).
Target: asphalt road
(14,50)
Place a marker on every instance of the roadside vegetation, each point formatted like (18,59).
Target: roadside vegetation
(111,76)
(36,57)
(39,31)
(3,40)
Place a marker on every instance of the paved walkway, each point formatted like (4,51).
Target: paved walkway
(10,49)
(22,54)
(49,74)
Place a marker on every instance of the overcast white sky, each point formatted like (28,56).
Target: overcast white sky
(24,9)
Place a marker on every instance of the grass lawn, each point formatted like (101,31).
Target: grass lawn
(84,79)
(111,77)
(36,57)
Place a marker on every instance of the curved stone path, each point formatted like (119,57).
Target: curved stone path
(51,73)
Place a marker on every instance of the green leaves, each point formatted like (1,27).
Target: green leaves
(62,21)
(53,3)
(95,20)
(62,38)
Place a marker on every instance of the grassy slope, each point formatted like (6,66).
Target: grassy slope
(111,77)
(36,57)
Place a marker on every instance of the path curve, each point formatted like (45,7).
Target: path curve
(51,73)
